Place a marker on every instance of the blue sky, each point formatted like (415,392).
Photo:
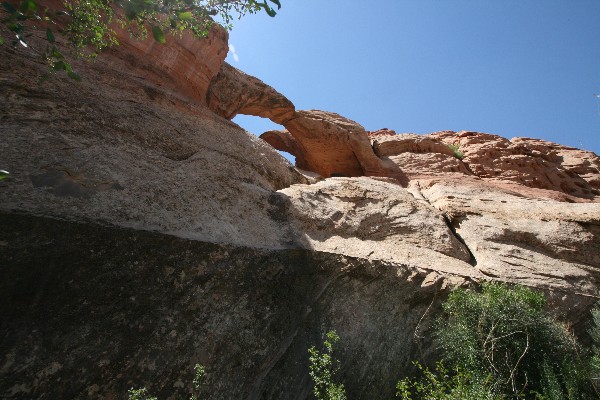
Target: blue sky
(508,67)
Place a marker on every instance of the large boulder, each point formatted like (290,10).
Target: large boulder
(374,219)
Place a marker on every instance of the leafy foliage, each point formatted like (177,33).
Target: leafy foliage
(88,25)
(595,335)
(142,393)
(323,368)
(139,394)
(199,372)
(504,333)
(455,147)
(443,384)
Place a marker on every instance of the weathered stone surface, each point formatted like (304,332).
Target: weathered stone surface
(537,242)
(113,150)
(282,140)
(91,311)
(417,155)
(584,163)
(335,146)
(373,219)
(233,92)
(183,67)
(388,145)
(418,165)
(381,132)
(495,158)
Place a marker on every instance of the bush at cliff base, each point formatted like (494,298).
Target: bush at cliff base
(503,339)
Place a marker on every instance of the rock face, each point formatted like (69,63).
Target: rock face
(141,232)
(114,151)
(538,242)
(527,162)
(183,68)
(332,145)
(374,219)
(110,308)
(233,92)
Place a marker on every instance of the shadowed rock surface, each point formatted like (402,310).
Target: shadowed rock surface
(90,311)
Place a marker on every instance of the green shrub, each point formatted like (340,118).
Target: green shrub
(456,150)
(199,373)
(140,394)
(504,333)
(323,368)
(443,384)
(595,335)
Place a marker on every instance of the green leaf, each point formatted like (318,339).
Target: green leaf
(267,9)
(50,35)
(1,40)
(56,53)
(271,12)
(276,2)
(3,174)
(158,34)
(15,27)
(28,6)
(59,66)
(185,15)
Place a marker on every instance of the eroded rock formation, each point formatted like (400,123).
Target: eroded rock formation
(141,232)
(184,68)
(233,92)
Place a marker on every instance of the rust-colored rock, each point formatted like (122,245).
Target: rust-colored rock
(397,144)
(416,155)
(184,66)
(333,145)
(282,140)
(381,132)
(526,162)
(233,92)
(584,163)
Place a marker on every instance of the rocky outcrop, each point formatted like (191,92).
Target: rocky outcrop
(538,242)
(182,68)
(374,219)
(142,233)
(110,150)
(91,311)
(570,173)
(332,145)
(586,164)
(495,158)
(233,92)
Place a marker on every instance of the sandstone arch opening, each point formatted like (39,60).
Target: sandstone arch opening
(258,125)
